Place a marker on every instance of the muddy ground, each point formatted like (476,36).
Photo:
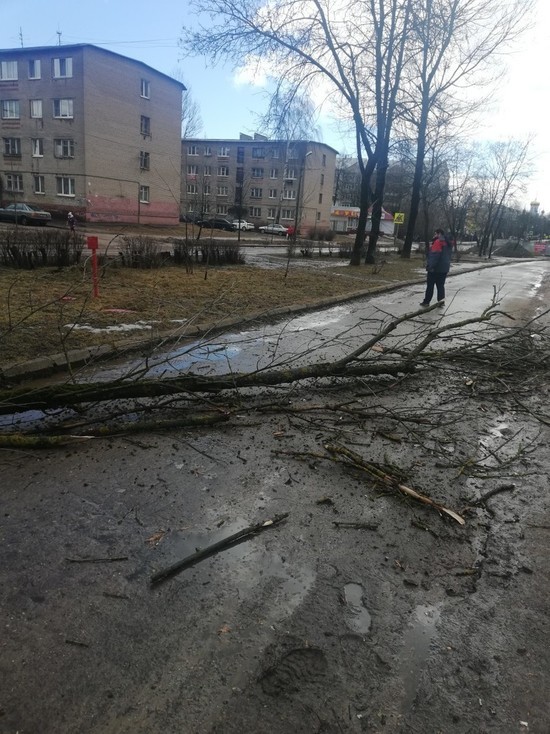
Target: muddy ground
(412,623)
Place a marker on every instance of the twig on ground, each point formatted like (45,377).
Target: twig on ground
(221,545)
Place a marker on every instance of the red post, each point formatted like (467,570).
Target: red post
(93,245)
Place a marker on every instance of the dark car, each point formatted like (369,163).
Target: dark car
(21,213)
(217,223)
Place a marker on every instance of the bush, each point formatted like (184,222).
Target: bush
(321,234)
(28,249)
(211,252)
(143,252)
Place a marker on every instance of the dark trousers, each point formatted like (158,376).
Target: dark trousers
(436,280)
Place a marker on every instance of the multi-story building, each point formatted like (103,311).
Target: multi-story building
(89,131)
(289,182)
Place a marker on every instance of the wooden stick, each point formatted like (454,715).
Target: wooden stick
(200,555)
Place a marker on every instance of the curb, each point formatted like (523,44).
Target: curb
(63,362)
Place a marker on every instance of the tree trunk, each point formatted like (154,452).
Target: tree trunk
(366,196)
(417,181)
(376,214)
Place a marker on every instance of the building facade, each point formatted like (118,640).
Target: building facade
(89,131)
(263,181)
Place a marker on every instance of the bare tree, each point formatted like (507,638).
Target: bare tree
(452,47)
(290,115)
(355,50)
(502,171)
(191,120)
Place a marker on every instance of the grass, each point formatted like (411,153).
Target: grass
(39,308)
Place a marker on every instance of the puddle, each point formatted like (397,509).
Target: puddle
(416,650)
(358,618)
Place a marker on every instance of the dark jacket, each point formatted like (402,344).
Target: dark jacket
(439,255)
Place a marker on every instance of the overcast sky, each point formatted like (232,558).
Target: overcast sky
(229,104)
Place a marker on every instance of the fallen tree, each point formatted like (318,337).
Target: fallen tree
(136,402)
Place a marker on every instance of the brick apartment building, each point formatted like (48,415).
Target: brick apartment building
(270,180)
(90,131)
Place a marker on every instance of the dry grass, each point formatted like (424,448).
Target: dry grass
(38,307)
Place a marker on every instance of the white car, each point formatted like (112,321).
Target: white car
(243,224)
(274,229)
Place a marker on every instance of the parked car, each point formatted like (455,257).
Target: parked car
(242,224)
(21,213)
(217,223)
(274,229)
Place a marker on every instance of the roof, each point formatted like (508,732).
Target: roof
(258,143)
(33,49)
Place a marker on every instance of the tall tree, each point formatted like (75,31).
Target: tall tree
(453,46)
(355,48)
(502,171)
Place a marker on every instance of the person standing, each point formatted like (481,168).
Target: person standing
(438,262)
(71,221)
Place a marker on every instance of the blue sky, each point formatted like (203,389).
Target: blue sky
(149,32)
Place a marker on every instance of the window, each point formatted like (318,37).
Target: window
(63,148)
(322,179)
(192,189)
(144,194)
(62,68)
(289,194)
(274,173)
(207,150)
(275,153)
(144,160)
(192,150)
(145,125)
(287,214)
(271,212)
(145,89)
(290,174)
(258,152)
(222,191)
(12,146)
(256,211)
(272,193)
(38,185)
(207,189)
(320,198)
(257,173)
(255,193)
(240,154)
(14,182)
(36,108)
(34,69)
(324,160)
(318,216)
(192,170)
(208,170)
(64,185)
(221,208)
(10,109)
(8,70)
(223,171)
(37,146)
(63,108)
(292,154)
(223,151)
